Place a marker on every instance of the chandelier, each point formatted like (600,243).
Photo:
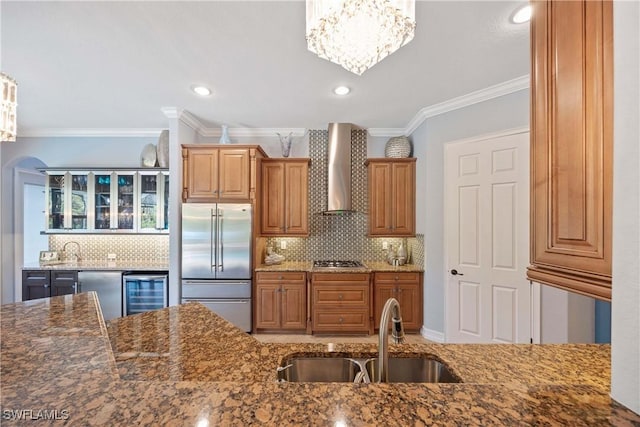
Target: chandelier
(8,108)
(357,34)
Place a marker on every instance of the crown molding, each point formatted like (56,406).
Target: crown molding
(90,133)
(495,91)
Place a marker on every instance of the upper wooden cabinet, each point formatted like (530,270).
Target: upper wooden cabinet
(571,145)
(392,196)
(219,173)
(284,197)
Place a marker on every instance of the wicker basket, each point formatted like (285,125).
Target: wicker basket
(398,146)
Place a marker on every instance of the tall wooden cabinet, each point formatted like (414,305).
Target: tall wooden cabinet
(219,173)
(392,196)
(571,145)
(284,197)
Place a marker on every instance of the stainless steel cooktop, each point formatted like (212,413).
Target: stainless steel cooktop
(337,264)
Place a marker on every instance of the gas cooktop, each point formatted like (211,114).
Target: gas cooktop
(337,264)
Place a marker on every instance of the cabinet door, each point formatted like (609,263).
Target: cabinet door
(296,198)
(268,306)
(381,293)
(56,205)
(234,174)
(408,295)
(294,306)
(35,284)
(379,198)
(571,145)
(125,187)
(64,282)
(102,201)
(201,170)
(79,196)
(273,198)
(403,194)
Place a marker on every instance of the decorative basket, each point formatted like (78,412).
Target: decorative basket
(398,146)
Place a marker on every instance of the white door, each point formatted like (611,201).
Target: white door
(487,240)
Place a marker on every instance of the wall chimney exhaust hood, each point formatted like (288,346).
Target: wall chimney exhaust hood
(339,169)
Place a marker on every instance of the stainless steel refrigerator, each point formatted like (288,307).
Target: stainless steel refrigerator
(216,259)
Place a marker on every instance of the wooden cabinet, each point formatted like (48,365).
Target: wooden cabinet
(407,289)
(281,301)
(341,303)
(392,196)
(571,145)
(48,283)
(284,197)
(219,173)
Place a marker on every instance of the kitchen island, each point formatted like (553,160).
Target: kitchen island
(185,365)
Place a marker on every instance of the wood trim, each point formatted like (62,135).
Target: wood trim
(589,285)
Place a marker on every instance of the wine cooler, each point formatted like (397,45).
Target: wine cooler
(144,292)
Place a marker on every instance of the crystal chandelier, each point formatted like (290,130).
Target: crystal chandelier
(357,34)
(8,108)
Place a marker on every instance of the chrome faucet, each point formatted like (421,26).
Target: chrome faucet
(392,306)
(75,254)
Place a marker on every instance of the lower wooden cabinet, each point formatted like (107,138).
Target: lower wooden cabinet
(341,303)
(281,301)
(48,283)
(407,289)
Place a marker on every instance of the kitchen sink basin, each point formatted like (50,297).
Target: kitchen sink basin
(413,370)
(319,370)
(346,369)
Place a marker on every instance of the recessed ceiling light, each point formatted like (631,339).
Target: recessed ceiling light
(341,90)
(201,90)
(522,15)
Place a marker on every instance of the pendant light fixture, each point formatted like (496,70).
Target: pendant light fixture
(357,34)
(8,104)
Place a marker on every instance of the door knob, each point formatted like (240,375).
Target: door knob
(455,273)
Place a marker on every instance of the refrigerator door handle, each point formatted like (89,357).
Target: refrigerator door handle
(214,239)
(220,242)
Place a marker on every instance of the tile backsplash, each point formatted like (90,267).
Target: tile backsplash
(95,247)
(341,237)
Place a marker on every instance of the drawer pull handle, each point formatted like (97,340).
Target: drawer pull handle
(340,320)
(340,296)
(397,277)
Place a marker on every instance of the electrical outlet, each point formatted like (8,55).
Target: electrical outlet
(385,245)
(283,244)
(111,257)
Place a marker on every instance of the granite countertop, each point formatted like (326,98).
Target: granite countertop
(101,265)
(184,365)
(369,266)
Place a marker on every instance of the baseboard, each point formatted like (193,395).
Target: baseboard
(431,335)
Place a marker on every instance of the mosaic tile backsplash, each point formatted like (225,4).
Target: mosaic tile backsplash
(95,247)
(341,237)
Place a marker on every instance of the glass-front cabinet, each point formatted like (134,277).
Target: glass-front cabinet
(154,201)
(133,201)
(67,201)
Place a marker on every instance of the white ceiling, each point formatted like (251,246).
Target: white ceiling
(114,65)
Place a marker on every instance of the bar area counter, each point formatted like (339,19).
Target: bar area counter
(184,365)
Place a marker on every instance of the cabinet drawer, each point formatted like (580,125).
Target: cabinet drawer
(36,276)
(340,321)
(64,276)
(279,277)
(340,278)
(394,277)
(337,295)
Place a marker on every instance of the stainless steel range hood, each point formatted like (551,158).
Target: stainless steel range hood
(339,169)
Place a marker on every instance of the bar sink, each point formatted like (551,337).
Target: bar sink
(319,370)
(413,370)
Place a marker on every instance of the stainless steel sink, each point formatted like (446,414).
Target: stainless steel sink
(346,369)
(319,370)
(413,370)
